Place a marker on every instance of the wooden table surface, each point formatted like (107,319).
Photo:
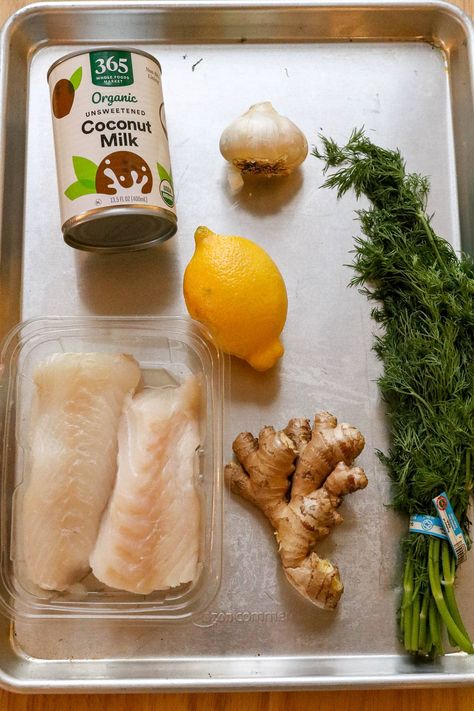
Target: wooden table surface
(396,700)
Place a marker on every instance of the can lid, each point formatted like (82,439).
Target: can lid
(120,229)
(102,48)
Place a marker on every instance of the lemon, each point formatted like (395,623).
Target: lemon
(234,288)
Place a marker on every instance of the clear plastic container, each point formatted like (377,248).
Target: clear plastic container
(167,349)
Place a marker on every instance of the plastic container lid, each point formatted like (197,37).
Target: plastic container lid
(167,350)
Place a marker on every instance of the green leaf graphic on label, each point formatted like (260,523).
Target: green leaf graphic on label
(163,173)
(85,171)
(77,189)
(76,78)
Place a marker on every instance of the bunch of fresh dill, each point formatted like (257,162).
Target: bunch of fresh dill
(424,300)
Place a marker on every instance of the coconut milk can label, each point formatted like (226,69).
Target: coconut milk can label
(110,133)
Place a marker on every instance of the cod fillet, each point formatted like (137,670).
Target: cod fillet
(73,461)
(149,535)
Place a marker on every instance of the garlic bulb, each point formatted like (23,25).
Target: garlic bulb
(262,142)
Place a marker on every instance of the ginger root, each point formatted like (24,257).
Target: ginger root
(298,477)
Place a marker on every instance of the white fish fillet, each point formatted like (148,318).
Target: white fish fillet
(73,461)
(149,535)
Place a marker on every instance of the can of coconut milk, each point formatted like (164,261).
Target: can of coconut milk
(112,156)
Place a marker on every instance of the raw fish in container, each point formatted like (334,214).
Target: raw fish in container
(73,461)
(150,533)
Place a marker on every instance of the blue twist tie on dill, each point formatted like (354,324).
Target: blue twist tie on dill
(423,296)
(427,525)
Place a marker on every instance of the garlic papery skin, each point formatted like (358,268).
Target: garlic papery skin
(262,142)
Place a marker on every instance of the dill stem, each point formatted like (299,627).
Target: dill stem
(449,574)
(468,471)
(407,603)
(435,582)
(448,583)
(415,625)
(423,402)
(429,233)
(435,631)
(422,636)
(428,646)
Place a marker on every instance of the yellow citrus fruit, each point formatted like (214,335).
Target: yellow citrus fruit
(234,288)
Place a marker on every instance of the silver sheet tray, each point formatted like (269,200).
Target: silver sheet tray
(404,70)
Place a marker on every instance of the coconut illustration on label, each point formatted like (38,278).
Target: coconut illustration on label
(123,169)
(64,92)
(116,173)
(112,156)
